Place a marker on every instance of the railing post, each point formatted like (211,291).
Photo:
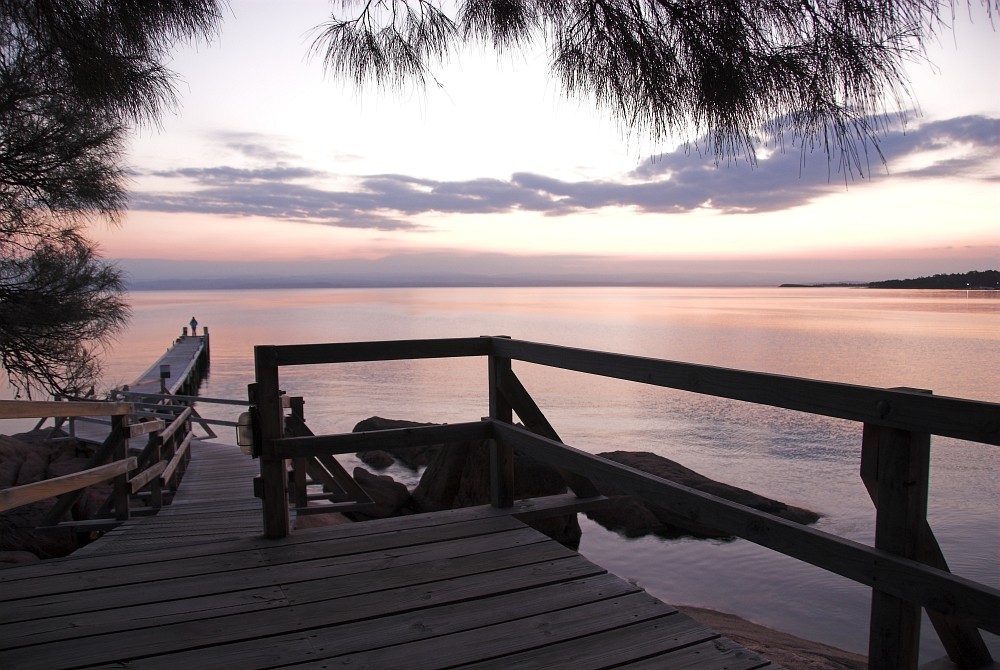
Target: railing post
(895,463)
(121,485)
(156,484)
(501,455)
(273,472)
(299,493)
(169,448)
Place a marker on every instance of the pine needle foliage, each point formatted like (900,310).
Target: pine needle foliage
(826,73)
(75,77)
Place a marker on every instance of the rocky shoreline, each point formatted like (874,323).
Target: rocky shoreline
(35,456)
(457,475)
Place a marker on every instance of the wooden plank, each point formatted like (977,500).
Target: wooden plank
(86,524)
(939,415)
(177,458)
(610,647)
(177,423)
(35,409)
(903,464)
(901,577)
(48,488)
(442,611)
(144,427)
(348,443)
(718,654)
(167,638)
(353,352)
(180,398)
(181,571)
(532,635)
(963,642)
(453,522)
(266,397)
(342,574)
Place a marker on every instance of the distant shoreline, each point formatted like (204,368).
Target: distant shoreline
(986,280)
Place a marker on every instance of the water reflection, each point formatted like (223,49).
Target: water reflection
(942,341)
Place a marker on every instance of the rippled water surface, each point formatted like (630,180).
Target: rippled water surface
(946,341)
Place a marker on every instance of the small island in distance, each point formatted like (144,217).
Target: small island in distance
(976,280)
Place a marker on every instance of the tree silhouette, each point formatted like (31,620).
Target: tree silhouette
(75,77)
(821,72)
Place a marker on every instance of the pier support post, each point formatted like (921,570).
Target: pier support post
(273,471)
(895,465)
(962,640)
(501,455)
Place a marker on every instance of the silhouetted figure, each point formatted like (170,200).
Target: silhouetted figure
(194,326)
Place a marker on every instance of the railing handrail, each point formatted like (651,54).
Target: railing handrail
(44,409)
(122,468)
(905,568)
(856,561)
(973,420)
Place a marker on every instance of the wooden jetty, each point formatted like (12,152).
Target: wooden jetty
(221,581)
(180,370)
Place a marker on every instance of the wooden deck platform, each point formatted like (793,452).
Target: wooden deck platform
(197,586)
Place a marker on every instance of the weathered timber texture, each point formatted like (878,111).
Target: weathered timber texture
(470,586)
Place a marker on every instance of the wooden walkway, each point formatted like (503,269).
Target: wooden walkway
(213,503)
(197,586)
(183,357)
(187,359)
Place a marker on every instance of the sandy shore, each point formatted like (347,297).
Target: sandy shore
(792,652)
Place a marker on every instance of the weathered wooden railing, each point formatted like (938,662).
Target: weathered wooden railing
(905,568)
(160,464)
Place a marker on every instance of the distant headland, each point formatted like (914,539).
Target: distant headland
(976,280)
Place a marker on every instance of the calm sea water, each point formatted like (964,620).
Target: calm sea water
(947,341)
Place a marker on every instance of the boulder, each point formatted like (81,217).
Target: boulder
(378,459)
(30,457)
(390,497)
(633,517)
(458,475)
(412,457)
(442,479)
(17,532)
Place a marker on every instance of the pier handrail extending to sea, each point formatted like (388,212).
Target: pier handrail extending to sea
(905,568)
(152,408)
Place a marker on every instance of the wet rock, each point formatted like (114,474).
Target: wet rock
(18,532)
(462,473)
(31,457)
(458,475)
(412,457)
(442,479)
(379,459)
(390,497)
(633,517)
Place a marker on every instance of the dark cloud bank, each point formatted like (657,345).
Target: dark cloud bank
(673,183)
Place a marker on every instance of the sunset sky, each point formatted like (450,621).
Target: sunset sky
(494,172)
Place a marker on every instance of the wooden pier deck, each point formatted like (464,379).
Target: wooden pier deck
(182,358)
(198,586)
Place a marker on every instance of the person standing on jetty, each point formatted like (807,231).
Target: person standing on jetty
(194,326)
